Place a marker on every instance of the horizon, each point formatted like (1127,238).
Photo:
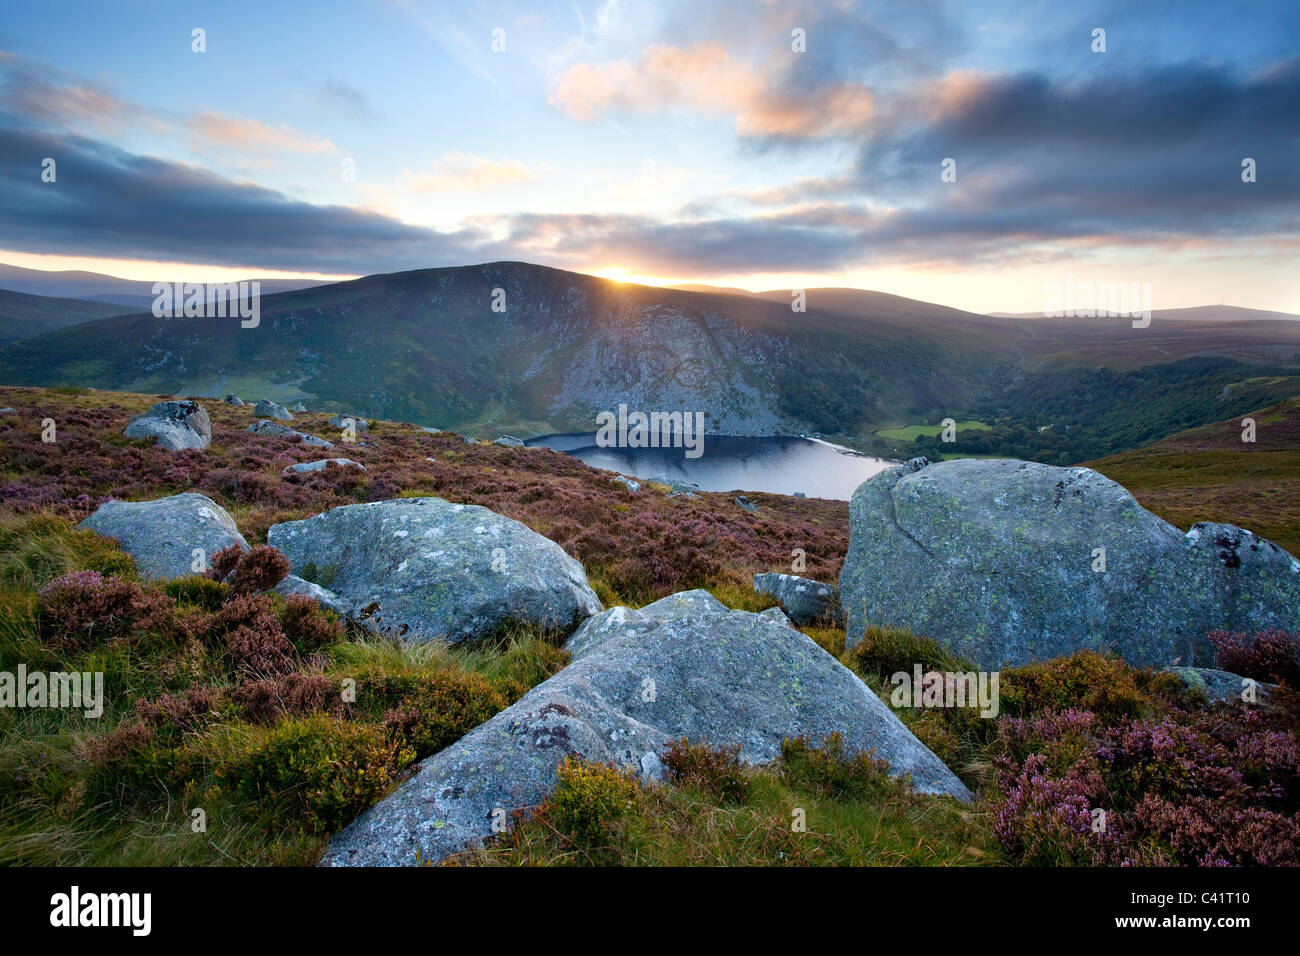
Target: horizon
(757,147)
(244,276)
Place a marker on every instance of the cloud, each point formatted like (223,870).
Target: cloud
(705,78)
(111,203)
(464,172)
(46,96)
(216,132)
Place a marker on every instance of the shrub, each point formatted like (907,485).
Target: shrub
(1188,788)
(589,806)
(308,626)
(884,651)
(198,591)
(1086,680)
(262,651)
(260,568)
(717,771)
(265,701)
(829,771)
(1270,656)
(315,771)
(430,710)
(85,608)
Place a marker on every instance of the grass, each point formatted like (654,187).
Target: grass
(912,432)
(277,761)
(1210,474)
(782,815)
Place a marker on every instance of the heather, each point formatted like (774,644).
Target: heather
(279,723)
(636,547)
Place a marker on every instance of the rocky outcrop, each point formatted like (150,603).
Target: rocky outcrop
(685,666)
(176,425)
(425,569)
(167,536)
(804,601)
(1223,687)
(269,409)
(1009,561)
(306,467)
(264,427)
(294,585)
(509,441)
(358,423)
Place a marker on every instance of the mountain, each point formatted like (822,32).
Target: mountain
(23,315)
(1200,313)
(95,287)
(427,346)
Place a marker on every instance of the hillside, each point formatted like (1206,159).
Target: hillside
(23,315)
(199,715)
(428,347)
(1209,473)
(96,287)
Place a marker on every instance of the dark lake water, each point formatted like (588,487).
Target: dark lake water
(782,465)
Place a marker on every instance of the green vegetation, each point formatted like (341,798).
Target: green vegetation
(1210,474)
(913,432)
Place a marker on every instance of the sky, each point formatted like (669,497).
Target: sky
(740,143)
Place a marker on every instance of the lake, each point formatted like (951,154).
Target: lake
(782,465)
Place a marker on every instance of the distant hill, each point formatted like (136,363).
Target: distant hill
(1209,474)
(427,346)
(1200,313)
(95,287)
(22,315)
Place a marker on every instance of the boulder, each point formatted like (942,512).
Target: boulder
(294,585)
(264,427)
(804,601)
(176,425)
(269,409)
(358,423)
(1002,561)
(509,441)
(297,407)
(688,488)
(162,535)
(746,505)
(685,666)
(1221,687)
(304,467)
(235,400)
(626,482)
(424,569)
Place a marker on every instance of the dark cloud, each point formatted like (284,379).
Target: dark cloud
(108,202)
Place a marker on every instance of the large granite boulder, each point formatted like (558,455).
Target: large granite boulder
(269,409)
(163,535)
(1002,561)
(803,600)
(425,569)
(685,666)
(176,425)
